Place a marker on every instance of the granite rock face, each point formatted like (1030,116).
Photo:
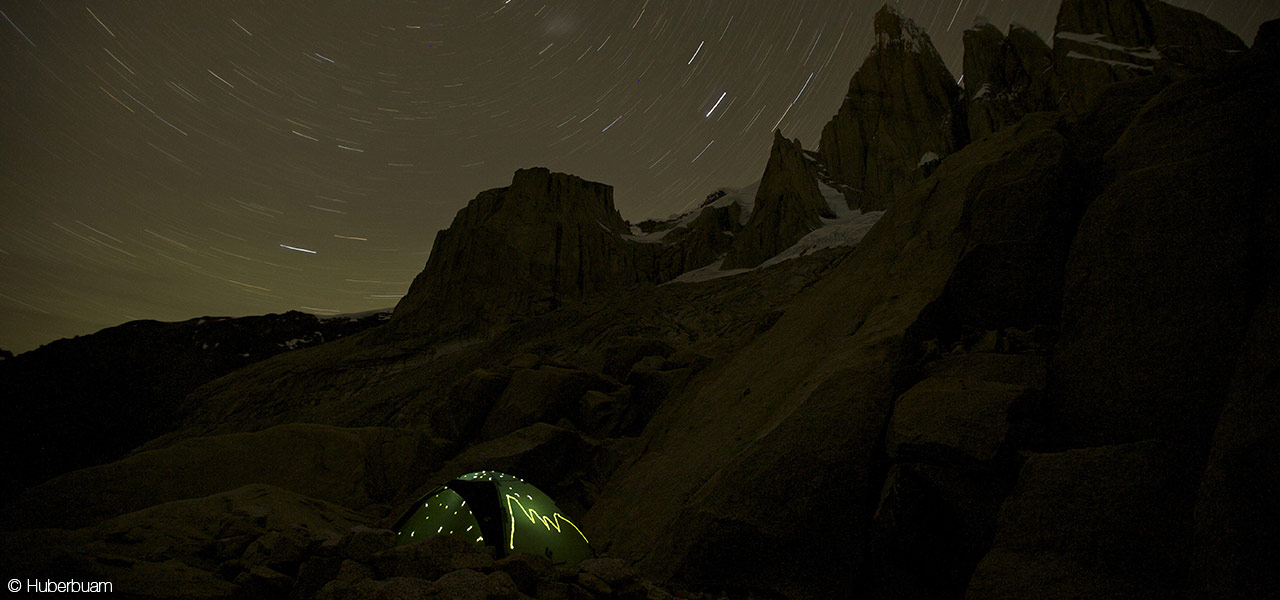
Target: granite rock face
(1099,42)
(1005,77)
(788,206)
(1104,522)
(523,250)
(903,111)
(1167,264)
(1233,533)
(808,423)
(703,240)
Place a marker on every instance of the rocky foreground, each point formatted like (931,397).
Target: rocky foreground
(1048,370)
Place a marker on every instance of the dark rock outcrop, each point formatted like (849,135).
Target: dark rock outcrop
(522,250)
(1102,522)
(953,420)
(1164,271)
(788,206)
(545,394)
(1233,531)
(1099,42)
(903,111)
(1005,77)
(703,240)
(190,548)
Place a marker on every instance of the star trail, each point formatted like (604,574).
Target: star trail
(167,160)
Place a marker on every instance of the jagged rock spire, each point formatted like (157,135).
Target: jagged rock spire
(1005,77)
(903,105)
(788,205)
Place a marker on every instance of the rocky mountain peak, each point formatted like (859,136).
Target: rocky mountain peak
(1099,42)
(788,206)
(521,250)
(903,105)
(1268,38)
(537,196)
(897,32)
(1006,77)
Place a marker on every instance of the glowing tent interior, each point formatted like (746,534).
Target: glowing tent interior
(497,510)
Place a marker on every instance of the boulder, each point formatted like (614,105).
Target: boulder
(1028,371)
(611,572)
(262,582)
(465,584)
(181,547)
(788,206)
(1234,532)
(160,580)
(527,570)
(395,588)
(542,395)
(625,351)
(606,415)
(1104,522)
(1161,276)
(430,558)
(360,542)
(932,526)
(559,590)
(1234,529)
(463,413)
(314,574)
(951,420)
(903,106)
(281,551)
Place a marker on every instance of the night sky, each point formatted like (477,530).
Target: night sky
(172,159)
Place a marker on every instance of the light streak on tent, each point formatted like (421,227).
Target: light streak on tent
(488,508)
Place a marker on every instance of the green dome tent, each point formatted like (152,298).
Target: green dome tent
(489,508)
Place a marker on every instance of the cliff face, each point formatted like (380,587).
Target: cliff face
(1005,77)
(788,205)
(903,111)
(1099,42)
(523,250)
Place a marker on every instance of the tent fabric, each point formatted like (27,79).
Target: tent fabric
(494,509)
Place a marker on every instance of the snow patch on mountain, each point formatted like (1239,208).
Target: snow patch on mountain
(1095,39)
(745,197)
(847,229)
(1074,54)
